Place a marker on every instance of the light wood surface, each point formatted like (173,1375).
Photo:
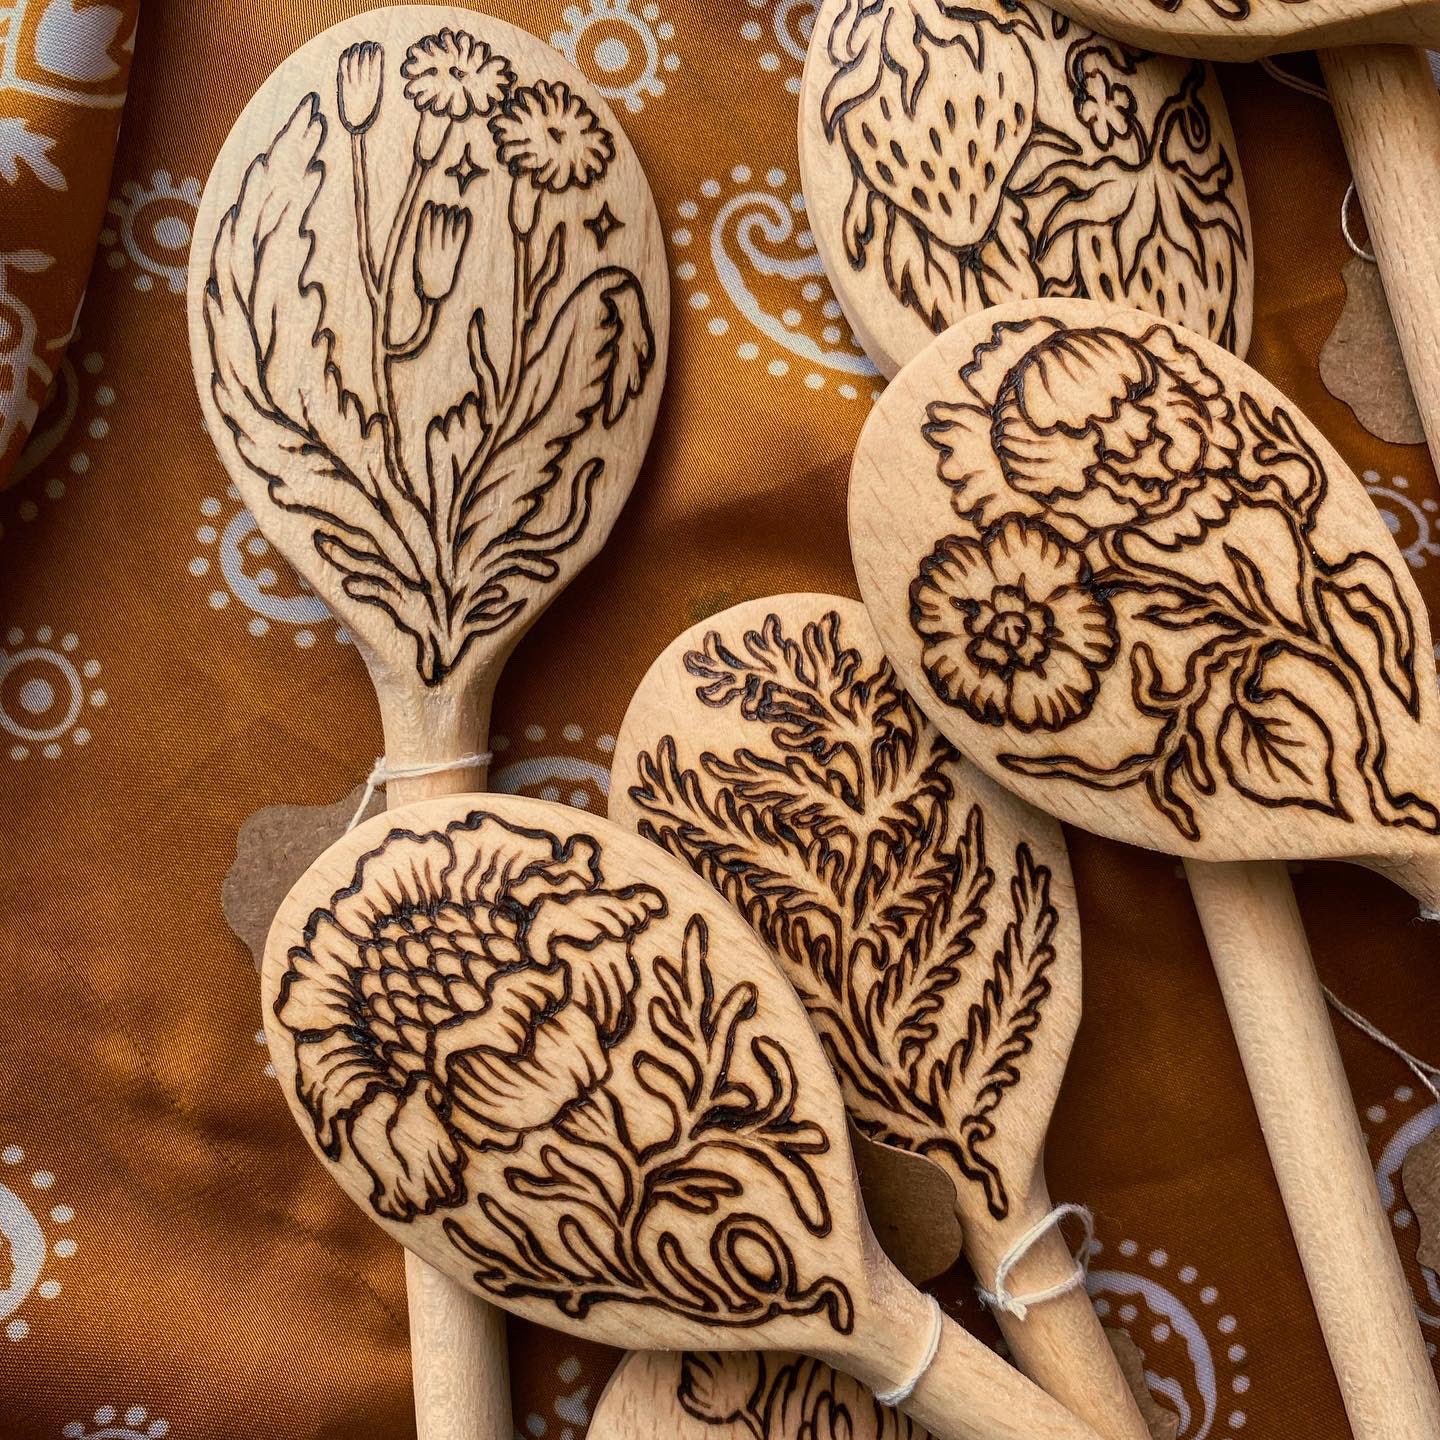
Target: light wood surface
(1248,29)
(957,157)
(925,917)
(583,1088)
(428,316)
(1278,1013)
(1136,585)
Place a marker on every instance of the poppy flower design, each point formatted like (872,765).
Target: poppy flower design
(1014,633)
(454,75)
(1158,448)
(546,131)
(438,1007)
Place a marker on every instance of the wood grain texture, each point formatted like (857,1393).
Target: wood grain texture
(554,1064)
(1130,506)
(925,917)
(954,159)
(1129,579)
(428,313)
(1248,29)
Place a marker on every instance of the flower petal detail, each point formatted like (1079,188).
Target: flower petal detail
(405,872)
(414,1161)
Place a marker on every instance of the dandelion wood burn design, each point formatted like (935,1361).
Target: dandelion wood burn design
(447,519)
(972,185)
(492,1030)
(774,1396)
(1129,523)
(839,834)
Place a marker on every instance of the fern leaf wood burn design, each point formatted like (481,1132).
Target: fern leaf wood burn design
(957,157)
(1129,579)
(1248,29)
(741,1396)
(1132,581)
(428,313)
(549,1060)
(924,916)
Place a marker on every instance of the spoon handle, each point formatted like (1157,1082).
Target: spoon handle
(459,1370)
(1306,1110)
(970,1393)
(1389,114)
(1060,1344)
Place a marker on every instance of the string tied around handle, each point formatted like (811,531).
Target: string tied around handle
(1003,1299)
(902,1392)
(381,774)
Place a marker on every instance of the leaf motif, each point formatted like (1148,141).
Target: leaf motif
(694,1188)
(275,381)
(1275,749)
(1370,593)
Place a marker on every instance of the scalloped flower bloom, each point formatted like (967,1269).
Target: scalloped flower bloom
(1013,631)
(455,75)
(456,997)
(549,133)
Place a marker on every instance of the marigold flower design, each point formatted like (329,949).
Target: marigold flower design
(549,133)
(436,1008)
(1160,450)
(1014,632)
(455,75)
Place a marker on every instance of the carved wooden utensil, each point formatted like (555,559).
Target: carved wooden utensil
(551,1061)
(1129,579)
(925,917)
(428,314)
(955,157)
(1389,114)
(742,1396)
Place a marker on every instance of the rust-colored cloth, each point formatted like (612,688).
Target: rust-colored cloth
(172,1261)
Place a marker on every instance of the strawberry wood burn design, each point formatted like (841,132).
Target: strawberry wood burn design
(842,831)
(443,429)
(1134,537)
(997,152)
(505,1039)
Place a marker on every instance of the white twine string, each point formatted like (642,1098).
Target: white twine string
(1423,1071)
(1003,1299)
(382,774)
(901,1393)
(1319,92)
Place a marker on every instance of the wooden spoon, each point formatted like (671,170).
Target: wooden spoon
(550,1060)
(1126,576)
(428,314)
(742,1396)
(954,157)
(925,917)
(1389,114)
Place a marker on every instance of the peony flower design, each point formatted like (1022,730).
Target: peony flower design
(1160,448)
(549,133)
(1107,110)
(437,1008)
(1014,631)
(454,75)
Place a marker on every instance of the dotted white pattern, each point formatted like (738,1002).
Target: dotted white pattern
(149,230)
(1408,519)
(34,1232)
(570,1413)
(624,49)
(48,689)
(778,32)
(110,1422)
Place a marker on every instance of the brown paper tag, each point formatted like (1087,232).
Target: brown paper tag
(1361,363)
(1420,1175)
(911,1205)
(1163,1424)
(273,850)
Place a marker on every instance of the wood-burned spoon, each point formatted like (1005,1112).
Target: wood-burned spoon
(550,1060)
(1389,115)
(747,1395)
(957,156)
(925,917)
(428,316)
(1132,582)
